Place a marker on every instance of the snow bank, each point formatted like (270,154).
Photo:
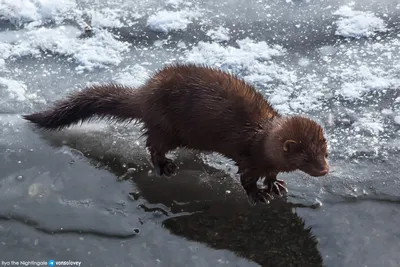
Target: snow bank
(15,94)
(100,50)
(166,21)
(2,64)
(21,12)
(173,3)
(15,89)
(133,76)
(360,74)
(106,18)
(250,56)
(219,34)
(358,23)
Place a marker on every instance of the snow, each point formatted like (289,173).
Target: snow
(34,13)
(133,76)
(166,21)
(327,50)
(115,17)
(371,74)
(304,62)
(238,59)
(16,90)
(253,60)
(387,112)
(98,51)
(397,119)
(358,23)
(105,18)
(21,12)
(351,90)
(370,124)
(219,34)
(174,3)
(2,64)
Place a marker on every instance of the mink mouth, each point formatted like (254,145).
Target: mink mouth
(317,172)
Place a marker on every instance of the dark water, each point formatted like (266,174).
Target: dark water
(61,193)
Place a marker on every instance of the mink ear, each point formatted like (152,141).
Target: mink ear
(289,145)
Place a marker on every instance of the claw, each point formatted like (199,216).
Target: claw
(258,195)
(263,198)
(251,201)
(281,184)
(276,186)
(276,189)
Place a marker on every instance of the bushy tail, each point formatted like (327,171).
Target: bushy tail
(111,101)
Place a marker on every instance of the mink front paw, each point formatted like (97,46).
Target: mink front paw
(258,196)
(167,168)
(276,187)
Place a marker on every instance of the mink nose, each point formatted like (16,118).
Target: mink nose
(323,172)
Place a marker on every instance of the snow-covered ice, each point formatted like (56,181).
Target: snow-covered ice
(358,23)
(105,18)
(174,3)
(15,89)
(22,12)
(133,76)
(219,34)
(100,50)
(166,21)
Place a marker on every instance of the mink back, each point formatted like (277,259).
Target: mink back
(204,108)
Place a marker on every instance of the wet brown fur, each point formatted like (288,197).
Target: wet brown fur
(204,109)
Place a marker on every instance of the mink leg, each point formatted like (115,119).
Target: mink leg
(275,186)
(255,194)
(162,165)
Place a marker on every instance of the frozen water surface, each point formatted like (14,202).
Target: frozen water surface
(336,61)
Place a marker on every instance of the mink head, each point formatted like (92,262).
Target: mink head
(303,146)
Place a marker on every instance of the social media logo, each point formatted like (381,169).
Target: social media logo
(51,263)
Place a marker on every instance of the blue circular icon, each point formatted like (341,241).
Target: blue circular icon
(51,263)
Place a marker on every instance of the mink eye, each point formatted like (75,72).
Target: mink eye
(326,155)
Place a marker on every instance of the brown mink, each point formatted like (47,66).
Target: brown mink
(208,110)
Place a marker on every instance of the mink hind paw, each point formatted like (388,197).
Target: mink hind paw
(166,168)
(276,187)
(259,196)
